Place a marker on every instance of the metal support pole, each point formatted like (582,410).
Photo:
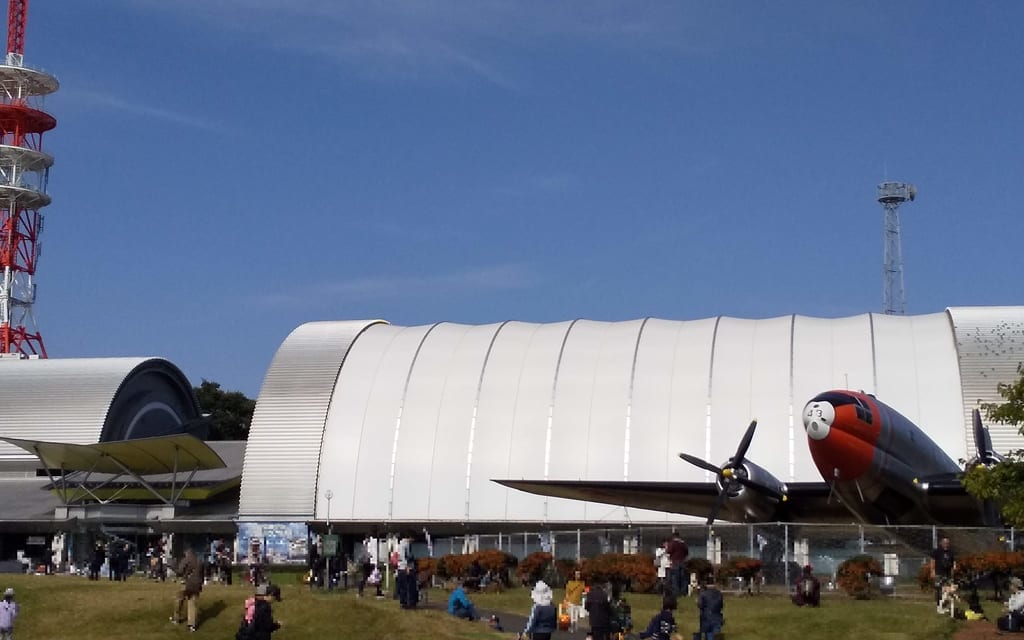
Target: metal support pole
(785,554)
(526,545)
(750,534)
(578,554)
(1011,539)
(861,528)
(935,537)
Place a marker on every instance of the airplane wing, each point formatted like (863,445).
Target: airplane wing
(807,501)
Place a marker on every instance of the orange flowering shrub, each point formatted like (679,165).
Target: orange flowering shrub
(853,575)
(999,562)
(425,569)
(566,568)
(532,567)
(636,572)
(457,565)
(741,567)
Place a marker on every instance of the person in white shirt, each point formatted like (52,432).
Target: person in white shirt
(8,612)
(1014,617)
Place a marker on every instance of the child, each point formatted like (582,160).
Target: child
(8,612)
(710,604)
(663,625)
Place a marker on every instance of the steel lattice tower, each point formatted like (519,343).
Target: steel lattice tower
(891,195)
(24,171)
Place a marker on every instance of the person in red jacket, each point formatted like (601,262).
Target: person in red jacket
(677,552)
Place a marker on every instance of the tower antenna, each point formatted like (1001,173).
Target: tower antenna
(891,195)
(24,173)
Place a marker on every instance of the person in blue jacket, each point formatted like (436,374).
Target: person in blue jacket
(460,606)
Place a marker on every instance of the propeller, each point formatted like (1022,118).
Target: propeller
(732,474)
(983,453)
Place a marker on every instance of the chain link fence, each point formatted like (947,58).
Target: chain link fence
(783,548)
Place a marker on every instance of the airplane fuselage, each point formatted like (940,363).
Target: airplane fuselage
(876,460)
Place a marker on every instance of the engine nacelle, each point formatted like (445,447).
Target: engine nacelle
(750,503)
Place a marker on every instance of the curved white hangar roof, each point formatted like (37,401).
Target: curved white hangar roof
(410,424)
(90,400)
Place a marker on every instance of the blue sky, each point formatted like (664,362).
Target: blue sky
(229,169)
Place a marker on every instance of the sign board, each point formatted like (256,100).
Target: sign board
(36,541)
(331,544)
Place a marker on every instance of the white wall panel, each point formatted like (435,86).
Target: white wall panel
(852,355)
(731,376)
(895,368)
(573,411)
(457,437)
(779,432)
(606,440)
(421,408)
(496,415)
(372,496)
(813,372)
(350,444)
(941,412)
(530,427)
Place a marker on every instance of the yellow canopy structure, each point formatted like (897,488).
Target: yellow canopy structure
(143,457)
(174,454)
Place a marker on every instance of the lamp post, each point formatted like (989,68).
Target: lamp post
(328,495)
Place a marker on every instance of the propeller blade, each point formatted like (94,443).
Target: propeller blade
(716,507)
(981,442)
(703,464)
(741,451)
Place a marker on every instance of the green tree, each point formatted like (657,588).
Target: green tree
(1003,483)
(230,412)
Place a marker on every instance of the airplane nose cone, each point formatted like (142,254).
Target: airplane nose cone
(818,419)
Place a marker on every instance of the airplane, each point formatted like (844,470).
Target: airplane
(877,467)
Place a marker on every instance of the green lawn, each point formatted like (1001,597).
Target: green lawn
(72,607)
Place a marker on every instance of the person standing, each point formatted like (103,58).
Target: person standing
(543,615)
(677,552)
(263,623)
(8,613)
(662,563)
(192,576)
(943,565)
(99,555)
(599,610)
(574,599)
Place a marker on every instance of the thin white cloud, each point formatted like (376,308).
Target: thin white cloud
(467,281)
(97,100)
(422,39)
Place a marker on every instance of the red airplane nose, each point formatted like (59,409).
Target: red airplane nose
(846,451)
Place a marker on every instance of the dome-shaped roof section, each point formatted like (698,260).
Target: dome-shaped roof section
(88,400)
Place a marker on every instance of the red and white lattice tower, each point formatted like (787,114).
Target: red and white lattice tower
(24,171)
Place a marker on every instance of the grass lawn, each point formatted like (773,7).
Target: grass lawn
(72,607)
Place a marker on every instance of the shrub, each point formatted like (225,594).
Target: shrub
(635,572)
(700,566)
(426,568)
(532,567)
(566,567)
(741,567)
(854,575)
(924,578)
(457,565)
